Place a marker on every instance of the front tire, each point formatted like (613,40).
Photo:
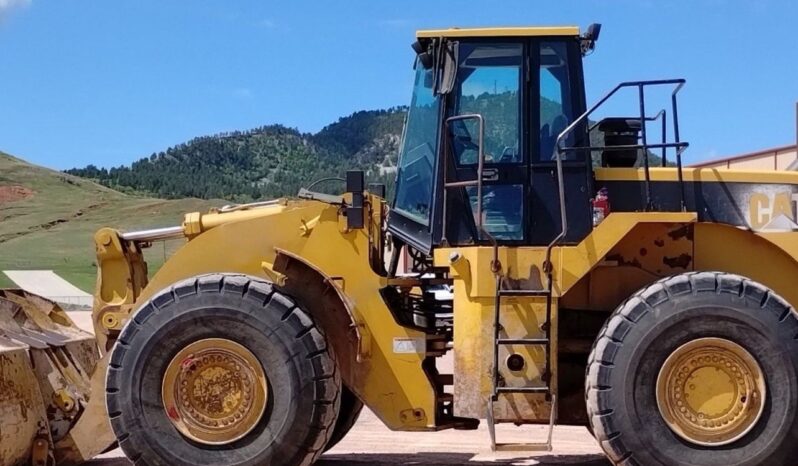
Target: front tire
(220,314)
(735,341)
(351,408)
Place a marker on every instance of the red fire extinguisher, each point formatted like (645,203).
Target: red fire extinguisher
(601,206)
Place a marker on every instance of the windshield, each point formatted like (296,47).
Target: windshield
(417,155)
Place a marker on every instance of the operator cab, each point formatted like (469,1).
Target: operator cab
(490,104)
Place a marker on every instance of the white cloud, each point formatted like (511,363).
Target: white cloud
(6,6)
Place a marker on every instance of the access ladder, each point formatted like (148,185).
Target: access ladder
(497,385)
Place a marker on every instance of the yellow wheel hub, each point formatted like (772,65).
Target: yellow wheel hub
(711,391)
(214,391)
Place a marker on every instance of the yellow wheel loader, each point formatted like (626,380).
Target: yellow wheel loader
(573,280)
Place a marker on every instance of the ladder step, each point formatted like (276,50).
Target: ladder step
(460,184)
(522,447)
(523,389)
(531,446)
(444,379)
(522,341)
(524,293)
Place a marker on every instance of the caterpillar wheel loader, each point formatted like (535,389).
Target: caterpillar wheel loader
(573,280)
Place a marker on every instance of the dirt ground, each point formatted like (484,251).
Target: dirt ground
(370,443)
(14,193)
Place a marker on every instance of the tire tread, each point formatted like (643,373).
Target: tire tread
(326,377)
(630,313)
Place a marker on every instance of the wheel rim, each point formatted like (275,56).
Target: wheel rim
(711,391)
(214,391)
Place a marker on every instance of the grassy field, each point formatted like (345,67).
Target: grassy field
(53,227)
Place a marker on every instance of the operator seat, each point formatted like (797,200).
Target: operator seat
(549,134)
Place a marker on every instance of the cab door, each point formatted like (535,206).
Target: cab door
(490,83)
(526,93)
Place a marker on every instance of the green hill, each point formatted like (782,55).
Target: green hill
(266,162)
(48,219)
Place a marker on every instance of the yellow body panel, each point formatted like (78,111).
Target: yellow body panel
(571,263)
(522,317)
(696,174)
(500,32)
(768,258)
(392,384)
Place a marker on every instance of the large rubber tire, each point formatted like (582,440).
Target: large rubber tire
(304,385)
(635,341)
(350,410)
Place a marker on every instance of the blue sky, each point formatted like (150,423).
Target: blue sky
(108,82)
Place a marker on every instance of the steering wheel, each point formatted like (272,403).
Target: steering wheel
(509,154)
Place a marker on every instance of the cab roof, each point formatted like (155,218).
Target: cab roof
(500,32)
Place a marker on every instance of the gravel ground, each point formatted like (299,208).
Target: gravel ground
(370,443)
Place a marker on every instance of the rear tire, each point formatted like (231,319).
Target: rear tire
(304,386)
(621,383)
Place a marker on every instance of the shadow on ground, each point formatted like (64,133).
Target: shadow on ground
(424,459)
(108,462)
(446,459)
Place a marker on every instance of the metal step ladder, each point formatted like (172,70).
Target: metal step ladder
(499,389)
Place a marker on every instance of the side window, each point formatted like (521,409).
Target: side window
(555,96)
(489,78)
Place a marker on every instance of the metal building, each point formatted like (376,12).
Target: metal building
(778,158)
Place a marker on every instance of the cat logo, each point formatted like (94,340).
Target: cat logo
(773,211)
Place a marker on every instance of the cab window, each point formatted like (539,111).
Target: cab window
(489,77)
(555,96)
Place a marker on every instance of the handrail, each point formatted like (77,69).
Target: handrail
(664,115)
(495,265)
(679,151)
(669,145)
(559,150)
(570,128)
(480,165)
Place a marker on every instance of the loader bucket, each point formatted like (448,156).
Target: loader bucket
(47,416)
